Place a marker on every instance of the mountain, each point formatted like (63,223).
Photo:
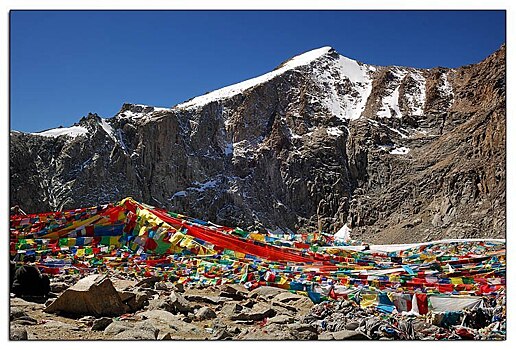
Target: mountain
(399,154)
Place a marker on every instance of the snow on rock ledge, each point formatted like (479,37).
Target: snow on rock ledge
(72,131)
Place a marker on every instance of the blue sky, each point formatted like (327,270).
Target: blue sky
(65,64)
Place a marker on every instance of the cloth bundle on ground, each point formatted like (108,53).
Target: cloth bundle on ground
(28,281)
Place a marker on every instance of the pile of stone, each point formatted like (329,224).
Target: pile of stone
(344,319)
(109,307)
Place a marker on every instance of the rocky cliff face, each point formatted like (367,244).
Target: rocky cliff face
(399,154)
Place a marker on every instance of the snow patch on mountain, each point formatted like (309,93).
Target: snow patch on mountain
(400,150)
(390,102)
(108,129)
(334,131)
(351,104)
(445,87)
(416,100)
(139,111)
(72,131)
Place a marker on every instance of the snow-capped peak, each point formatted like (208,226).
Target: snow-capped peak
(304,58)
(232,90)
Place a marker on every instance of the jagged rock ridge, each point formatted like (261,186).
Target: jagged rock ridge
(399,154)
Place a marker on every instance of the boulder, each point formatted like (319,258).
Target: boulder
(281,319)
(165,336)
(206,298)
(53,326)
(287,297)
(175,303)
(205,313)
(302,327)
(234,292)
(25,320)
(117,327)
(58,287)
(349,335)
(160,286)
(18,333)
(325,336)
(148,282)
(267,292)
(135,334)
(100,324)
(180,303)
(257,313)
(231,309)
(134,300)
(168,322)
(179,287)
(92,295)
(16,312)
(351,326)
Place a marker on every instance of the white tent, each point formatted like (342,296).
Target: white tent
(344,234)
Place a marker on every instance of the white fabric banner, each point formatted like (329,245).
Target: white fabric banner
(442,303)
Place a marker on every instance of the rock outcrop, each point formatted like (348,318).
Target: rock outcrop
(399,154)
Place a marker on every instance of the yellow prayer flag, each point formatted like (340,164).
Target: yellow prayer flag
(456,280)
(368,300)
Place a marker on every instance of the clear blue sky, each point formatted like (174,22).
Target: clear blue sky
(65,64)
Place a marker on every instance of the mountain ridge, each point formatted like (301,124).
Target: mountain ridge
(295,151)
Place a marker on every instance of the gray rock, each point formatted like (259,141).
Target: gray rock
(305,335)
(180,303)
(206,298)
(257,313)
(266,292)
(92,295)
(17,312)
(351,326)
(117,327)
(349,335)
(25,320)
(58,287)
(326,336)
(161,315)
(18,333)
(149,325)
(101,323)
(134,334)
(148,282)
(302,327)
(231,309)
(205,313)
(165,336)
(168,322)
(52,326)
(234,292)
(179,287)
(287,297)
(137,300)
(49,301)
(87,319)
(281,319)
(175,303)
(161,286)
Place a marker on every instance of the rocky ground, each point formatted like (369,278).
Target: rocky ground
(166,311)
